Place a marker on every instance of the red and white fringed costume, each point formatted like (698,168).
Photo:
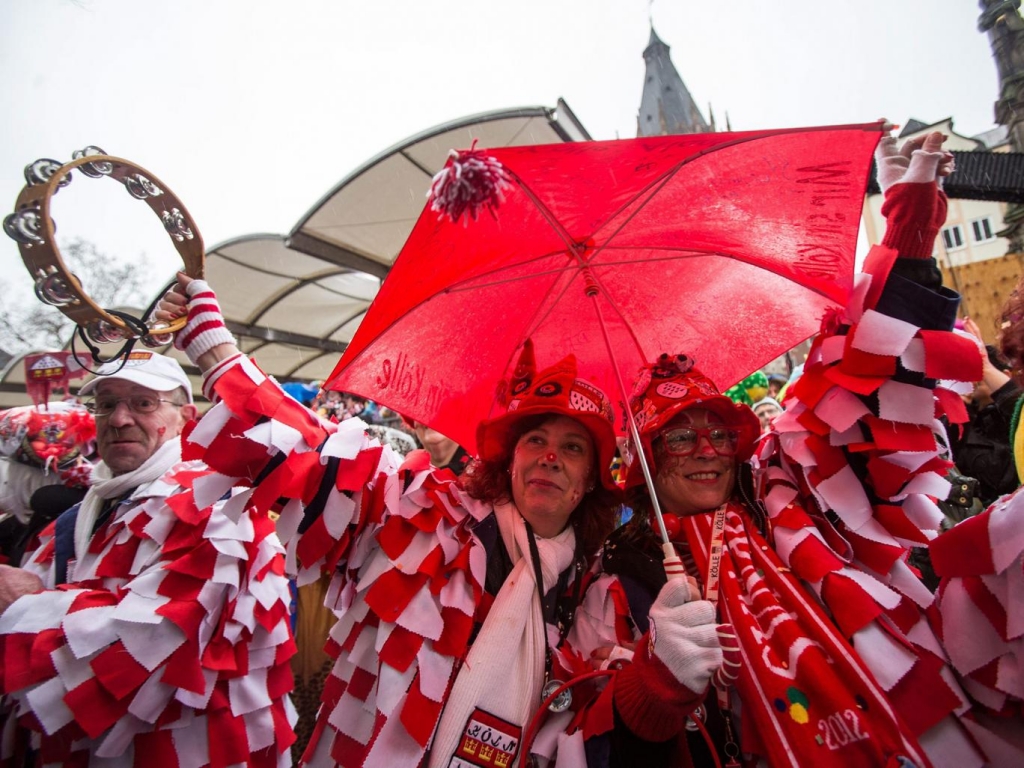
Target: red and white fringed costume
(858,442)
(403,544)
(169,647)
(408,568)
(981,613)
(841,665)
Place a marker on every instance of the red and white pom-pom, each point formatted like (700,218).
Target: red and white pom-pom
(832,319)
(78,475)
(471,181)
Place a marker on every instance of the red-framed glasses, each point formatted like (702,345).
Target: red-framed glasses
(682,441)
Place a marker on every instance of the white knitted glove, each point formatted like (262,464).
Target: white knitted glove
(684,635)
(205,328)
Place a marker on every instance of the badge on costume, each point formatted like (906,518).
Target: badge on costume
(487,742)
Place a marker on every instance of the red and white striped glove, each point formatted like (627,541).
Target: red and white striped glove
(205,328)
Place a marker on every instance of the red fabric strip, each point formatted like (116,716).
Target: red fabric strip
(949,355)
(94,709)
(118,672)
(964,550)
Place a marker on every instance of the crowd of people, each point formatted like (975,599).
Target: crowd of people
(757,609)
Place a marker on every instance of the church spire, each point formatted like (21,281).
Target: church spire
(1002,21)
(666,106)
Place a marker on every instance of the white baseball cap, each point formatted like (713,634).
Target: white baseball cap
(148,369)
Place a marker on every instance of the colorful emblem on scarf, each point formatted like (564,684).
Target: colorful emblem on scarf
(798,705)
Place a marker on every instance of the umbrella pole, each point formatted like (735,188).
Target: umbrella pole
(672,563)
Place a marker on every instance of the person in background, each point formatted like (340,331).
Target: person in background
(44,469)
(444,452)
(981,448)
(767,409)
(776,381)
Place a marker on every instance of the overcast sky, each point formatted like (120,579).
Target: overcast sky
(250,111)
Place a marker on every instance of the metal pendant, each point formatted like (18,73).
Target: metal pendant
(562,701)
(699,713)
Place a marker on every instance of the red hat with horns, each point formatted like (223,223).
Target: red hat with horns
(555,391)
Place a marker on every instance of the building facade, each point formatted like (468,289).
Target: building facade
(971,232)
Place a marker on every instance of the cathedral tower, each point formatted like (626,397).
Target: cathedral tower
(666,106)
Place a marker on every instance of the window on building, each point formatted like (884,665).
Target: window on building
(953,237)
(981,229)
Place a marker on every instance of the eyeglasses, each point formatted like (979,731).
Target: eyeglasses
(682,441)
(137,403)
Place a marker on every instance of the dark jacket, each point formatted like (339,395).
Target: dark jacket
(983,451)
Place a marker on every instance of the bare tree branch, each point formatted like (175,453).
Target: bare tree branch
(110,282)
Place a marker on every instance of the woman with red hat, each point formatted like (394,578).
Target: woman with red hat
(454,596)
(795,560)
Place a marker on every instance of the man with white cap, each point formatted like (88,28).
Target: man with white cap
(139,407)
(166,626)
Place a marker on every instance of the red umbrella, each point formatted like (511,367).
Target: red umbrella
(726,246)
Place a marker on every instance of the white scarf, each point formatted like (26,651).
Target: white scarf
(105,486)
(504,671)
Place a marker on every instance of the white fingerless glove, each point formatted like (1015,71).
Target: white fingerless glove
(914,206)
(205,328)
(899,167)
(684,635)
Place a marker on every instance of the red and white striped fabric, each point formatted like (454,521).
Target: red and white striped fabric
(408,574)
(807,696)
(981,610)
(877,507)
(408,569)
(169,646)
(205,327)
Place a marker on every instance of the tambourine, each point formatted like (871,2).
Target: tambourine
(33,229)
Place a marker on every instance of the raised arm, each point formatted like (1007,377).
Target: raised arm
(860,464)
(205,338)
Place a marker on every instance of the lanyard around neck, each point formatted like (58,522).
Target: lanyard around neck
(538,575)
(714,575)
